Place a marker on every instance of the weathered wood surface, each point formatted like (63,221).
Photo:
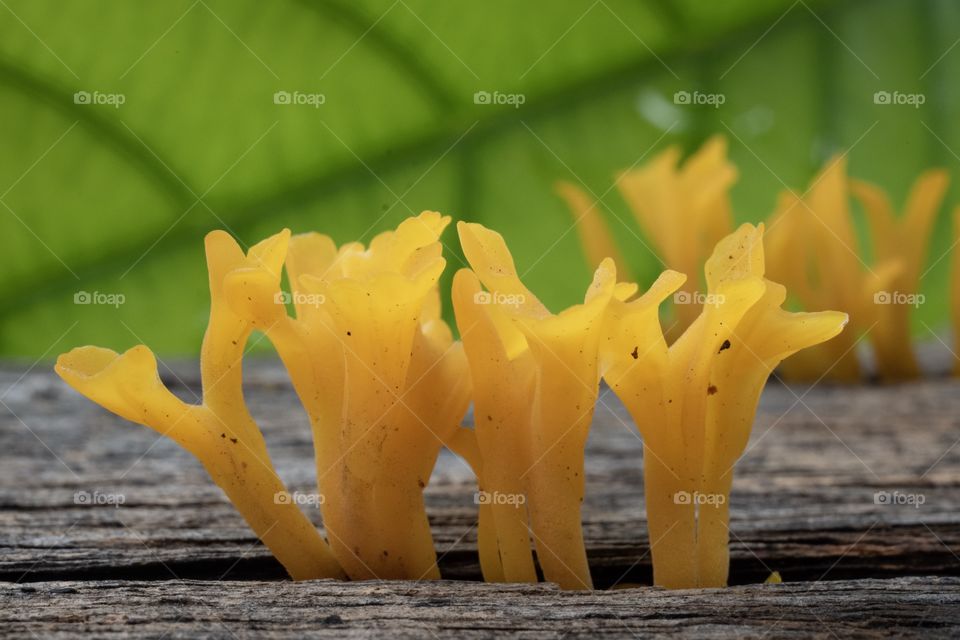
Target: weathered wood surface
(803,504)
(467,610)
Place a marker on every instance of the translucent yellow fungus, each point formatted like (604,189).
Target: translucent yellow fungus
(694,401)
(683,209)
(595,236)
(955,291)
(503,389)
(814,251)
(386,386)
(383,382)
(220,432)
(902,240)
(536,379)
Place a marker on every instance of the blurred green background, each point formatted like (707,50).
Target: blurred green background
(115,198)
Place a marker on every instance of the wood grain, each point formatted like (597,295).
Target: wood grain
(804,504)
(466,610)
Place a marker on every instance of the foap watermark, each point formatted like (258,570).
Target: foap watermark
(299,298)
(99,298)
(496,297)
(899,98)
(699,98)
(98,499)
(299,98)
(699,298)
(513,99)
(99,98)
(299,499)
(497,498)
(700,499)
(897,297)
(885,498)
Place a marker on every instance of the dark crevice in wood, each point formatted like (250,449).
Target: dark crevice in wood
(807,557)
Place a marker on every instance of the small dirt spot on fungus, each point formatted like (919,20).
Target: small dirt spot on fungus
(635,353)
(711,390)
(724,346)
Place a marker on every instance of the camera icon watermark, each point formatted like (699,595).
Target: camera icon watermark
(700,499)
(99,298)
(496,297)
(98,499)
(898,98)
(699,98)
(916,500)
(898,298)
(299,499)
(299,298)
(512,99)
(114,100)
(299,98)
(699,298)
(515,500)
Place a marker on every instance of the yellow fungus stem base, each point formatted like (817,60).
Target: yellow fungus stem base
(689,528)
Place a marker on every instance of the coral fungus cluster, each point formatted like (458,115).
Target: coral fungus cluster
(813,247)
(386,386)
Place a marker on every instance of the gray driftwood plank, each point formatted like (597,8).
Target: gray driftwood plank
(804,501)
(903,607)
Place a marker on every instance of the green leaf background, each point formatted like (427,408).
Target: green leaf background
(117,200)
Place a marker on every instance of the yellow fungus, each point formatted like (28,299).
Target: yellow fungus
(382,381)
(683,209)
(220,432)
(902,240)
(694,401)
(955,290)
(814,251)
(536,380)
(595,236)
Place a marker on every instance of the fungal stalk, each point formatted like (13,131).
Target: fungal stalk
(220,431)
(382,381)
(535,379)
(694,400)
